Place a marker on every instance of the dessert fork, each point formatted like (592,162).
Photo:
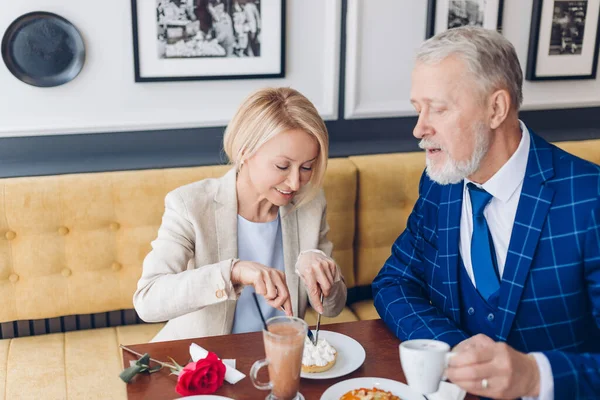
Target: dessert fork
(318,322)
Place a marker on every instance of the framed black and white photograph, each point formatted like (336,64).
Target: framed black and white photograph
(180,40)
(447,14)
(563,41)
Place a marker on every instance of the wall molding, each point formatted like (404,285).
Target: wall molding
(353,24)
(118,151)
(353,107)
(333,11)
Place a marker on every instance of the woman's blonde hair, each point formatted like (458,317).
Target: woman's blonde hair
(268,112)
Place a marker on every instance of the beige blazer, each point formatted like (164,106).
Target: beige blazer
(186,278)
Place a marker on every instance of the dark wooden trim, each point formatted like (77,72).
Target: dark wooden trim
(39,327)
(100,320)
(54,325)
(122,151)
(115,318)
(68,323)
(7,329)
(129,317)
(85,321)
(23,329)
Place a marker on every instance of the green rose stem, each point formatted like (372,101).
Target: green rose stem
(142,365)
(164,364)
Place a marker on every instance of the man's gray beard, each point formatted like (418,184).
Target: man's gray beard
(455,171)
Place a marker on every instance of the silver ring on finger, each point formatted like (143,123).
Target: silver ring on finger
(484,384)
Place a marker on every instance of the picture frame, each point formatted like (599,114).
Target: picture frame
(563,40)
(186,40)
(448,14)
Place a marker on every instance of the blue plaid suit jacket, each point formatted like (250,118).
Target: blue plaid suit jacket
(549,298)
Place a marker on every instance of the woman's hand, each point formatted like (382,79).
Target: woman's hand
(268,282)
(319,274)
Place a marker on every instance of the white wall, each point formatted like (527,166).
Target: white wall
(104,97)
(382,36)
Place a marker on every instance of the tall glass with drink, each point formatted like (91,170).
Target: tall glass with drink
(284,344)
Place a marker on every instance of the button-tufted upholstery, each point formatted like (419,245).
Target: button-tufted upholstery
(72,365)
(389,187)
(586,149)
(74,244)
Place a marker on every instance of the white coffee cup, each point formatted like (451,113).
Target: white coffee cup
(424,362)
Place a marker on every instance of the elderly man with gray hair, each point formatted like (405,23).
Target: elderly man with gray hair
(501,254)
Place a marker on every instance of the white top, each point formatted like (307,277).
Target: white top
(260,242)
(505,187)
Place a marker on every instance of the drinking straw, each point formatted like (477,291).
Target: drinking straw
(259,311)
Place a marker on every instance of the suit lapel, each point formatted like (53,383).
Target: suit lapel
(226,228)
(291,249)
(226,216)
(534,203)
(449,232)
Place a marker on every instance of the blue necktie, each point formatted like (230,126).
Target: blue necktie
(483,255)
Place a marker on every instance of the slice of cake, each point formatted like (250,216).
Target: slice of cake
(318,358)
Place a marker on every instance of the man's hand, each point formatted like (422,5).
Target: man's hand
(493,369)
(319,274)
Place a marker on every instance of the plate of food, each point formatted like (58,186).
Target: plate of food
(377,388)
(335,355)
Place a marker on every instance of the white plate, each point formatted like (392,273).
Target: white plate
(350,356)
(397,388)
(205,397)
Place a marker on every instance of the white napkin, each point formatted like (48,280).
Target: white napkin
(232,375)
(448,391)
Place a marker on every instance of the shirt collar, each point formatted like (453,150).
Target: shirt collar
(504,183)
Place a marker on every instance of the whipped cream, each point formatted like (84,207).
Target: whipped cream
(319,355)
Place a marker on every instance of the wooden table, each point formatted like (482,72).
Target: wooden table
(382,360)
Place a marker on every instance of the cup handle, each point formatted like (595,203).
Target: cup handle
(254,373)
(446,361)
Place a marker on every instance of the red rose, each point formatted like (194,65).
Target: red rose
(201,377)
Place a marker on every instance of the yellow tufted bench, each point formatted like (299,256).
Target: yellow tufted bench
(71,250)
(387,191)
(73,245)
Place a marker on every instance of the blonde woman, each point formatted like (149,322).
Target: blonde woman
(260,228)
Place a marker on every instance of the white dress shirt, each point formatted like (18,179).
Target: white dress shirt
(505,187)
